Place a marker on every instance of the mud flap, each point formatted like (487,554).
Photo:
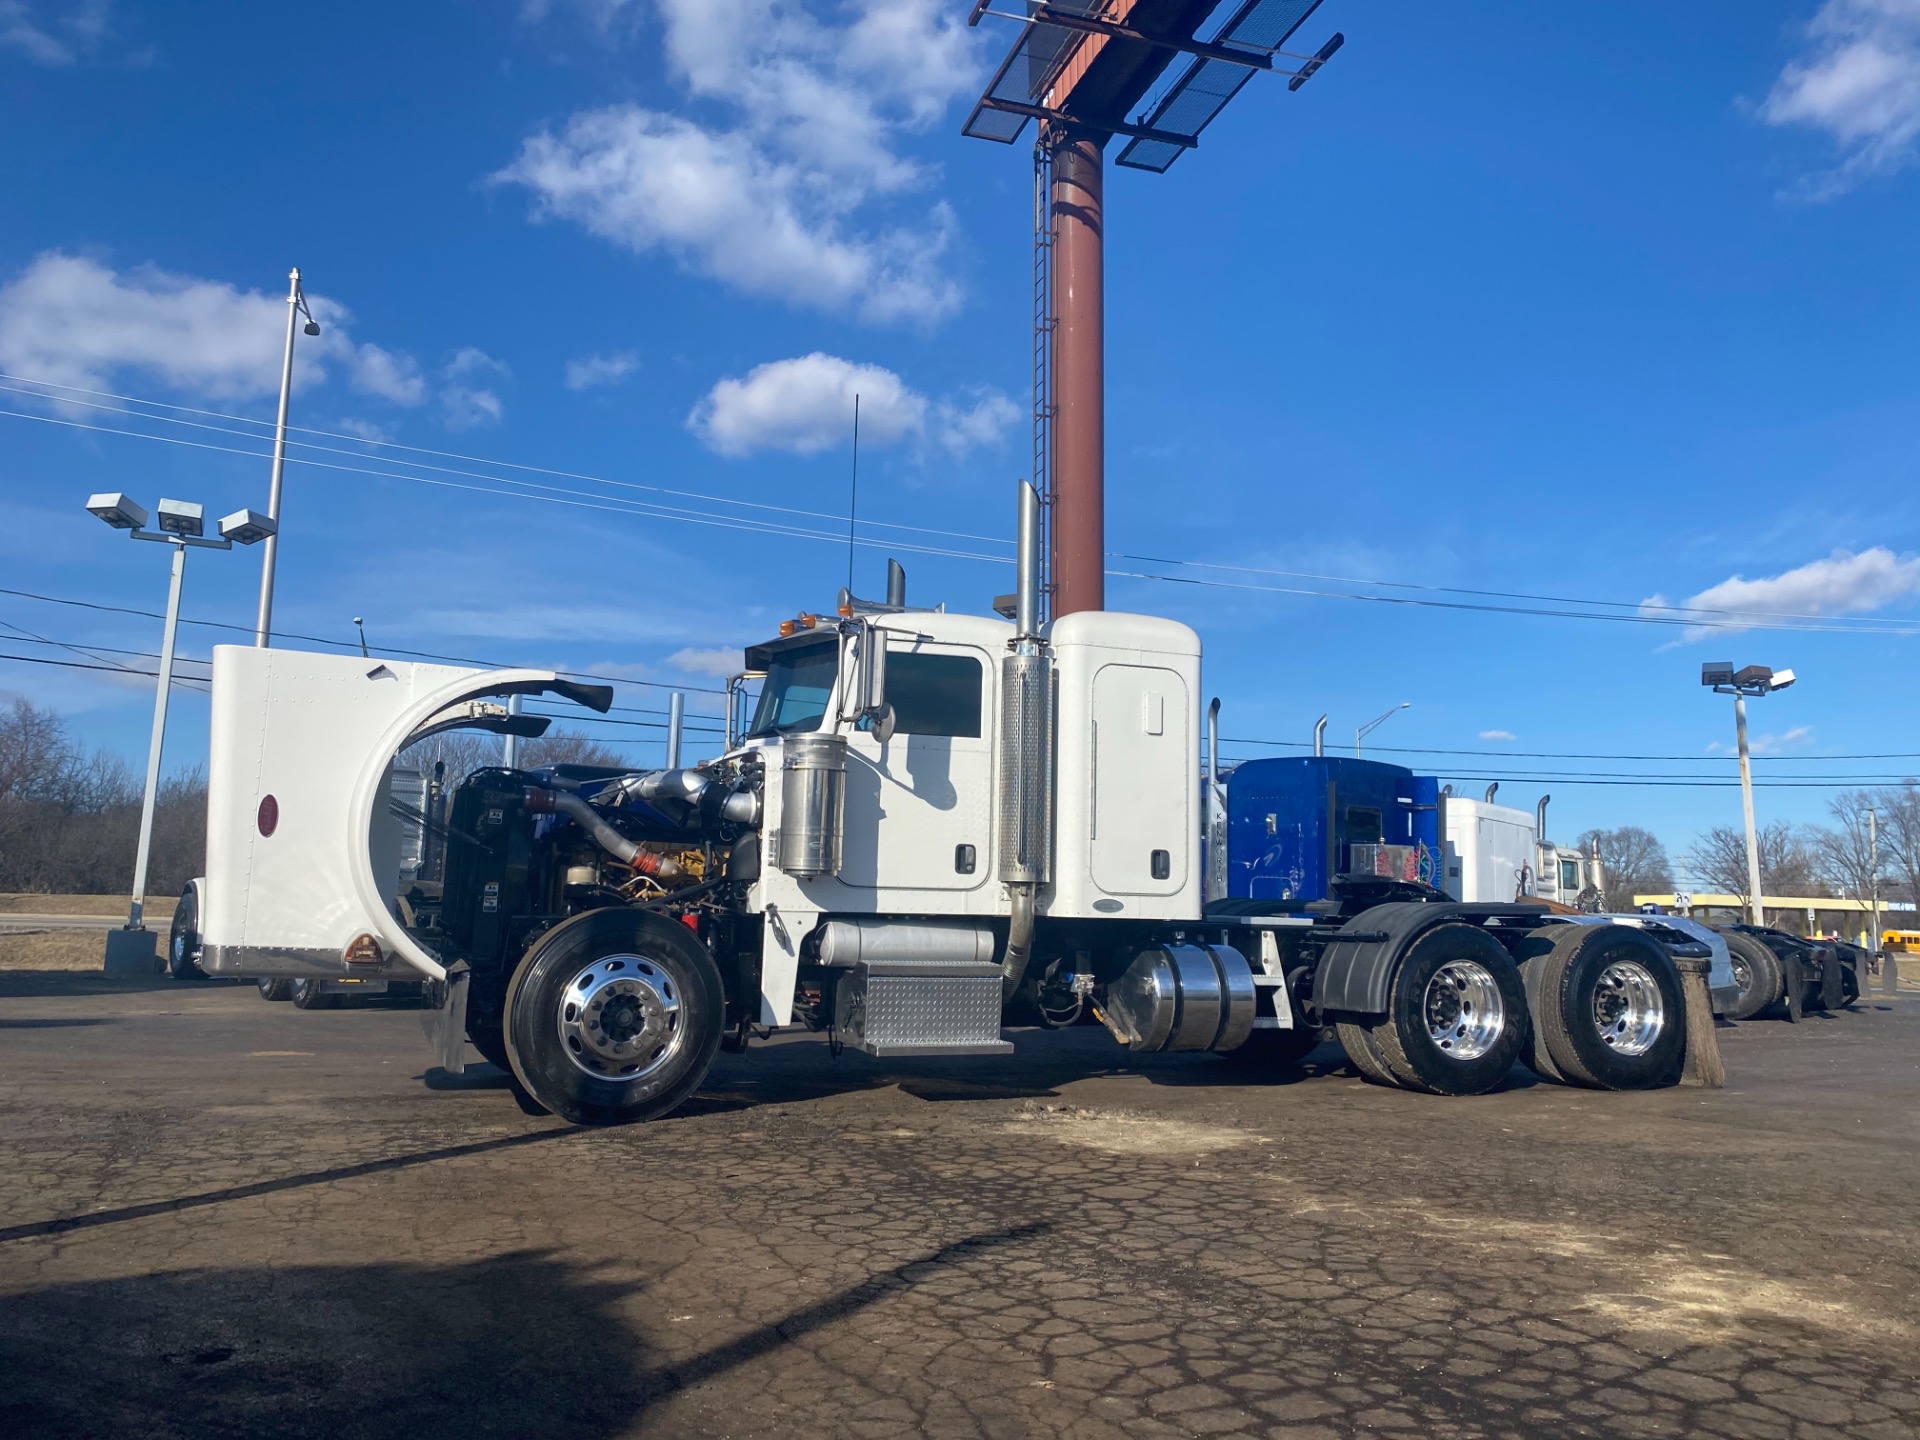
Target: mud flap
(443,1016)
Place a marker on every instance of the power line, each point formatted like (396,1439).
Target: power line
(1491,757)
(1669,615)
(364,442)
(352,645)
(560,496)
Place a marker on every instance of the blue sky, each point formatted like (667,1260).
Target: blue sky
(1613,303)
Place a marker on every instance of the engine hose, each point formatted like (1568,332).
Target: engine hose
(1019,939)
(553,802)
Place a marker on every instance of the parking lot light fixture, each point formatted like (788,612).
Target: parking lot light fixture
(181,524)
(1720,677)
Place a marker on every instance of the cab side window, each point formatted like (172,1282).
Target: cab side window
(935,694)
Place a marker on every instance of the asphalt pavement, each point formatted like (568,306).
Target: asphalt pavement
(220,1217)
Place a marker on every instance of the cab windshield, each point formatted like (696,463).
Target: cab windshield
(799,684)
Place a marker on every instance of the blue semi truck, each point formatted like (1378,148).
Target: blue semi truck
(1362,857)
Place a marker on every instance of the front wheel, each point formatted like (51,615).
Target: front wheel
(275,989)
(1459,1013)
(1611,1009)
(614,1016)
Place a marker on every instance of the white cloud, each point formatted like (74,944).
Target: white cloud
(958,428)
(1786,740)
(729,210)
(1842,584)
(770,205)
(363,430)
(805,405)
(57,34)
(70,320)
(717,661)
(591,370)
(1858,80)
(392,377)
(1495,735)
(1795,738)
(466,404)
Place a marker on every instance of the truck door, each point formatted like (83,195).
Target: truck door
(920,807)
(1143,780)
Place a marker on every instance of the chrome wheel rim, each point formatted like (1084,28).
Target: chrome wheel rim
(1628,1008)
(1742,973)
(619,1019)
(1463,1010)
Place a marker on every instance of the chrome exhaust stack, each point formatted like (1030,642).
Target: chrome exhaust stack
(1026,752)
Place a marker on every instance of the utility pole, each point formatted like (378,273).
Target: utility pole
(1873,852)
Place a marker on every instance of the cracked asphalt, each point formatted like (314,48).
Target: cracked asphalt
(220,1217)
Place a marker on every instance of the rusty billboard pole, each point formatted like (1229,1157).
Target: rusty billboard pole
(1078,524)
(1080,68)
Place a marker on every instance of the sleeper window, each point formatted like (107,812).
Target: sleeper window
(935,694)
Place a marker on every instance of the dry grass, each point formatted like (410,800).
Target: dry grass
(71,905)
(54,950)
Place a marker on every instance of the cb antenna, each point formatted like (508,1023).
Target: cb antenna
(853,495)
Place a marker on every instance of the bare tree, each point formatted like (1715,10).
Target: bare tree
(1900,834)
(69,819)
(465,751)
(1846,853)
(1787,862)
(1633,861)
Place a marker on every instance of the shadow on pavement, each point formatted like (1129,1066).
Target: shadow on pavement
(53,984)
(97,1218)
(521,1344)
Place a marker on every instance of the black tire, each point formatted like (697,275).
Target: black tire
(602,982)
(276,989)
(1364,1054)
(183,939)
(1756,970)
(1613,1010)
(309,994)
(1852,960)
(1532,956)
(1446,988)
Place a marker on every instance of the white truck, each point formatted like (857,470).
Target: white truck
(1495,852)
(934,825)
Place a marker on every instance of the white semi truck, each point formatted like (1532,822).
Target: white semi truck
(1495,852)
(935,825)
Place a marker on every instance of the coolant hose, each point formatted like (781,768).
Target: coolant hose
(1019,939)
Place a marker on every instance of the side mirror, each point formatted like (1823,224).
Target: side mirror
(866,693)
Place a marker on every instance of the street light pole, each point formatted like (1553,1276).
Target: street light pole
(1720,677)
(181,524)
(1367,729)
(1755,916)
(296,306)
(136,912)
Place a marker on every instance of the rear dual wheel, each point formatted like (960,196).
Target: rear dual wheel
(1457,1019)
(274,989)
(1608,1010)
